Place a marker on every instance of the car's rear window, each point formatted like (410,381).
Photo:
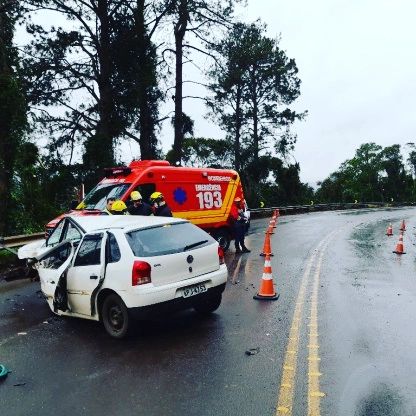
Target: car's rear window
(167,239)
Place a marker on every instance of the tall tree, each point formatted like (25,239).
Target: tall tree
(365,168)
(71,68)
(253,84)
(12,109)
(148,91)
(228,85)
(138,71)
(102,71)
(196,17)
(395,183)
(272,84)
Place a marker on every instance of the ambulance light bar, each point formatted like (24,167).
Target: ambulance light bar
(118,171)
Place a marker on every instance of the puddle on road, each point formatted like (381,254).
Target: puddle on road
(366,239)
(382,401)
(357,212)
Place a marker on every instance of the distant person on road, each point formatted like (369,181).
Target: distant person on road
(239,225)
(159,206)
(138,207)
(107,208)
(119,208)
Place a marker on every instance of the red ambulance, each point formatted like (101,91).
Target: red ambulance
(203,196)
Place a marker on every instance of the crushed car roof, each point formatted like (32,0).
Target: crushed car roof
(92,223)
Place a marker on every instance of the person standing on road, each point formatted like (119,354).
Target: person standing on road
(107,208)
(138,207)
(239,225)
(159,206)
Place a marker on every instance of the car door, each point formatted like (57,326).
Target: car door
(52,265)
(86,272)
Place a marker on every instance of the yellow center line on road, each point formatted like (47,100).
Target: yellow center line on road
(287,383)
(284,405)
(314,393)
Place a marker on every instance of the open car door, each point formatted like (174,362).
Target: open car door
(87,273)
(52,267)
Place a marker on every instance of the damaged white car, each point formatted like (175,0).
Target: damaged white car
(67,229)
(117,269)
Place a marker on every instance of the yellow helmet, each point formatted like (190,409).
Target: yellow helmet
(118,206)
(136,196)
(156,196)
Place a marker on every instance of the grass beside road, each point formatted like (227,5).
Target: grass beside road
(7,258)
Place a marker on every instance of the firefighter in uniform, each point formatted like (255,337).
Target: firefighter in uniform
(160,208)
(239,225)
(119,208)
(138,207)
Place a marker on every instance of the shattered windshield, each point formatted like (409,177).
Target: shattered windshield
(97,198)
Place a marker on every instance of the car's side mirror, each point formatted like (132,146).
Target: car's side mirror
(74,204)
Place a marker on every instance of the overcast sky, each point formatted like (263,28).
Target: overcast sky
(357,63)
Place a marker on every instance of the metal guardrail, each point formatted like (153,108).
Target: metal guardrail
(301,209)
(19,240)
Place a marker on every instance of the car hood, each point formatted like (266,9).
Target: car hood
(32,249)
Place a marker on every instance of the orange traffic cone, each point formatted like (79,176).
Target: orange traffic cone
(273,223)
(267,250)
(389,230)
(399,246)
(270,228)
(402,226)
(267,291)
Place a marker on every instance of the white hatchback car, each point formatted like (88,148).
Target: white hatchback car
(124,267)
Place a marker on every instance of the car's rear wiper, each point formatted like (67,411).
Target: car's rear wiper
(195,245)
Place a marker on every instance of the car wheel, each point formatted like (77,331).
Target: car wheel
(208,305)
(223,239)
(115,316)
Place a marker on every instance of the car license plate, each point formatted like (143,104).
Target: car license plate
(193,290)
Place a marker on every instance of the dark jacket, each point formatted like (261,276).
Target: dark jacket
(163,211)
(142,209)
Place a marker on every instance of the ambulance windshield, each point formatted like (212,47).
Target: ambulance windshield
(97,198)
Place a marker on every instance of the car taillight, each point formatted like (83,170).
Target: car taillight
(140,274)
(221,255)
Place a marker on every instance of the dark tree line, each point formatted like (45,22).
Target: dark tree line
(373,174)
(12,109)
(96,75)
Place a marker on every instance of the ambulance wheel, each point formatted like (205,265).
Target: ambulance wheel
(223,239)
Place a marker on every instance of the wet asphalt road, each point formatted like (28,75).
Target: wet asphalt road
(351,355)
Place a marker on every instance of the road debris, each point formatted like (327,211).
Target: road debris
(252,351)
(3,371)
